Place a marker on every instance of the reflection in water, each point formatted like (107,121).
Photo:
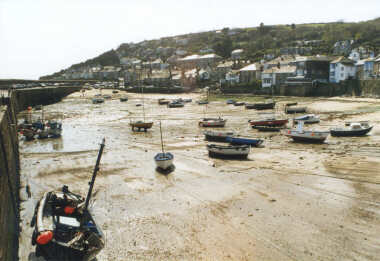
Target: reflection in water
(58,144)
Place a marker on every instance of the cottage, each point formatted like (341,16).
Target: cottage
(312,68)
(249,73)
(365,68)
(283,60)
(276,76)
(198,61)
(342,69)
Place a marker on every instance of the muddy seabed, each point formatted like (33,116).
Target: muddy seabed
(288,201)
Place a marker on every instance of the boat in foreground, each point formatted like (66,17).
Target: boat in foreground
(231,151)
(164,160)
(163,101)
(307,136)
(64,228)
(269,104)
(268,128)
(291,110)
(212,122)
(217,135)
(176,104)
(141,125)
(244,141)
(353,129)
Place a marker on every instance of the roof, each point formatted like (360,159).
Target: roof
(251,67)
(282,59)
(343,60)
(282,69)
(237,51)
(198,57)
(225,64)
(313,58)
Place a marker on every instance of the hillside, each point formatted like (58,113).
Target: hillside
(256,42)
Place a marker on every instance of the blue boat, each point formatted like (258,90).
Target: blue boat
(244,141)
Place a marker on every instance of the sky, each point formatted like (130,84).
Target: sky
(40,37)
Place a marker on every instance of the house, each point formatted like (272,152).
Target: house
(365,68)
(232,76)
(198,61)
(342,69)
(223,68)
(277,76)
(343,47)
(280,61)
(376,67)
(249,73)
(354,55)
(297,50)
(206,50)
(312,68)
(236,54)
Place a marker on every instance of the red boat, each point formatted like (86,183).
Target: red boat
(269,122)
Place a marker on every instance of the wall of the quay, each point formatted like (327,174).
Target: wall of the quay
(10,161)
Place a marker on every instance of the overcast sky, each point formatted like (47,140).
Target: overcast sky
(39,37)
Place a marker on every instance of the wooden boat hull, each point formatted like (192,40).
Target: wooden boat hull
(123,99)
(350,133)
(217,136)
(141,125)
(163,101)
(271,123)
(260,106)
(311,121)
(239,103)
(176,105)
(267,128)
(212,122)
(244,141)
(231,152)
(164,160)
(291,110)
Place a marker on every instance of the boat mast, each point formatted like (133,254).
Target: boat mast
(143,105)
(94,174)
(162,142)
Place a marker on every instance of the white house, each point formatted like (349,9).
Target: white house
(354,55)
(341,69)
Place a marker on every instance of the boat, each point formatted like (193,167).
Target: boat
(308,136)
(164,160)
(307,119)
(115,91)
(269,104)
(202,102)
(217,135)
(212,122)
(244,141)
(64,228)
(107,96)
(175,104)
(269,122)
(268,128)
(291,110)
(55,128)
(353,129)
(239,103)
(230,151)
(28,133)
(97,100)
(38,107)
(44,133)
(141,125)
(230,101)
(187,100)
(291,103)
(163,101)
(123,99)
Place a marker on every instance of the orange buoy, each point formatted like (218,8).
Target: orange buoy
(44,237)
(69,210)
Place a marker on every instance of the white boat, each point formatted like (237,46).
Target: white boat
(164,160)
(212,122)
(307,119)
(308,136)
(55,129)
(231,151)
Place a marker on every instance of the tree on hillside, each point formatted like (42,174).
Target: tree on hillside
(223,47)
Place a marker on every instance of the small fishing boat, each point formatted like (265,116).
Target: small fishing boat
(269,104)
(202,102)
(55,128)
(230,101)
(123,99)
(244,141)
(28,133)
(291,103)
(307,136)
(115,91)
(64,228)
(107,96)
(97,100)
(212,122)
(230,151)
(44,133)
(270,122)
(139,105)
(140,125)
(217,135)
(239,103)
(175,104)
(164,160)
(307,119)
(291,110)
(353,129)
(187,100)
(163,101)
(267,128)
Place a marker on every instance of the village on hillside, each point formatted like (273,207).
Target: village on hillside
(168,67)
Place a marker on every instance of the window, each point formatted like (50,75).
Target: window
(342,68)
(342,75)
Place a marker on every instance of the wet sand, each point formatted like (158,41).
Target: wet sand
(288,201)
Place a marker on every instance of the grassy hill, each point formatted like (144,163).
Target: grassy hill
(255,41)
